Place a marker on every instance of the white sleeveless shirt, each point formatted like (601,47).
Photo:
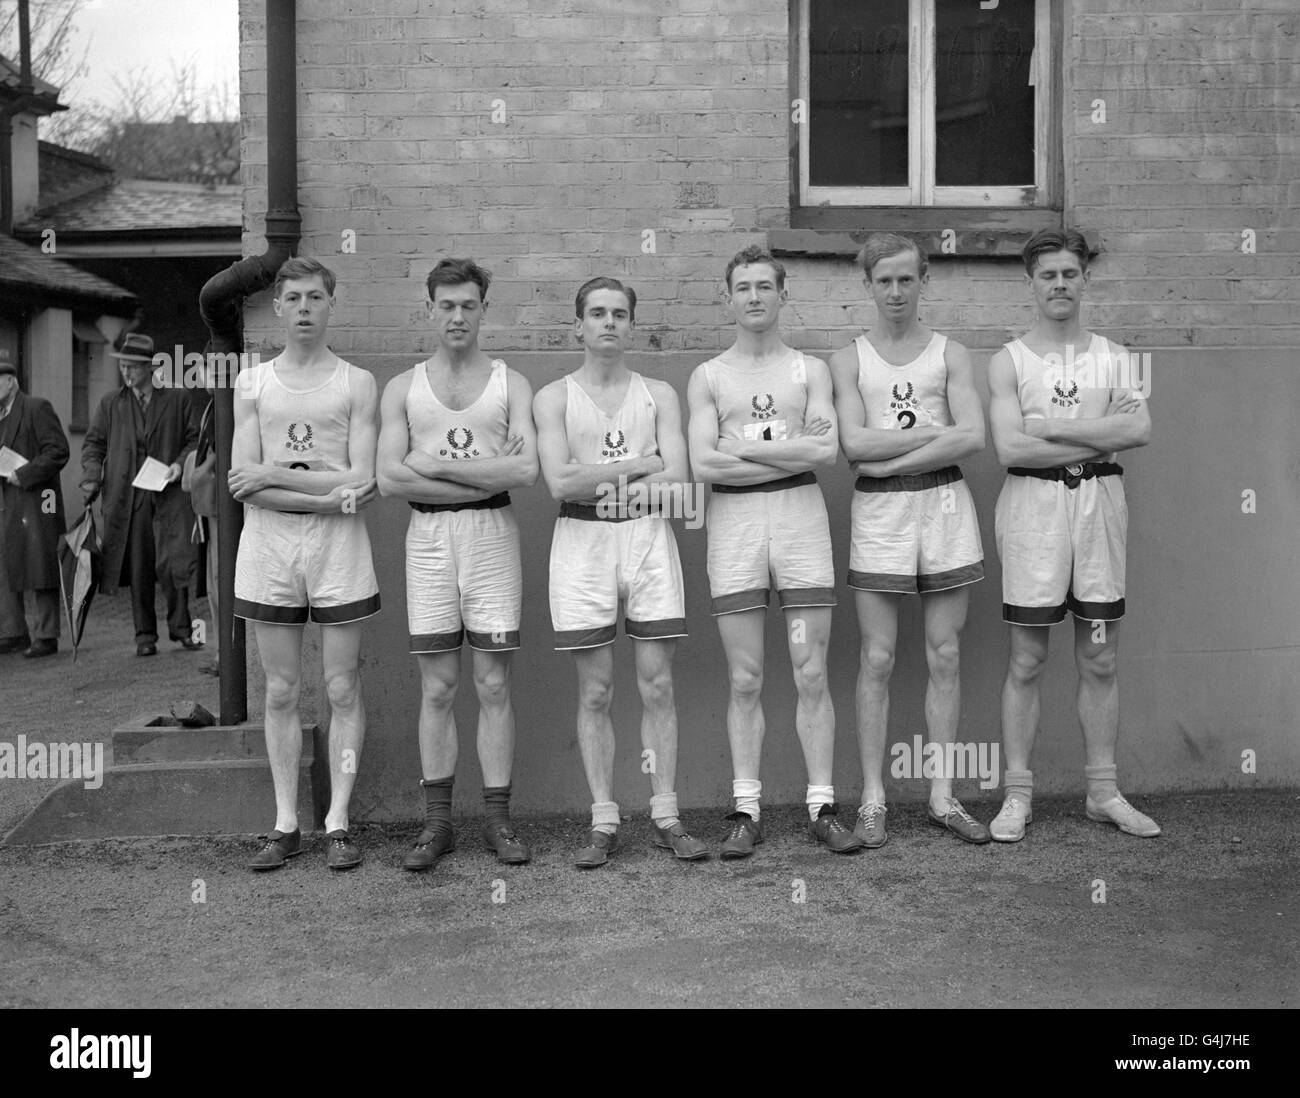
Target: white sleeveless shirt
(479,431)
(912,395)
(597,439)
(766,403)
(301,428)
(1057,389)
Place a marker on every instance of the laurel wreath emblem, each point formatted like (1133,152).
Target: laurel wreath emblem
(611,444)
(763,411)
(469,439)
(296,443)
(900,398)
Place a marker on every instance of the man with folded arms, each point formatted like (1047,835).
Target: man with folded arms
(1060,407)
(457,434)
(608,438)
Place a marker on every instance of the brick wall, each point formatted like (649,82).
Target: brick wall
(547,142)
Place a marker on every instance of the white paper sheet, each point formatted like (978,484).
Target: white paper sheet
(152,476)
(10,460)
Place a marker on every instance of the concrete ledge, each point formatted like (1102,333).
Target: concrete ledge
(165,780)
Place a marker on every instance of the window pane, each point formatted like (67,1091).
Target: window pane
(984,106)
(857,79)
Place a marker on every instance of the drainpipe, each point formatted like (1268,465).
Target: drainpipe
(221,303)
(26,97)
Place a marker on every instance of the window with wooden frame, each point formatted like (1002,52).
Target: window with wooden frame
(925,105)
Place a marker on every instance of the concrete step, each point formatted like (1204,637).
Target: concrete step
(178,781)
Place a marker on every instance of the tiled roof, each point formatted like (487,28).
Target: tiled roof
(140,206)
(30,274)
(11,75)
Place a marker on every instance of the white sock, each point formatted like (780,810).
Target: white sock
(817,796)
(604,817)
(663,809)
(746,792)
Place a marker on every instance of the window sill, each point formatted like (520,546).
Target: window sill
(841,230)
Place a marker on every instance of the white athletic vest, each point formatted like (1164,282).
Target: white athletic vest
(478,431)
(912,395)
(596,439)
(767,403)
(301,429)
(1076,389)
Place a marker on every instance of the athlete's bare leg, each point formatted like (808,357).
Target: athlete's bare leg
(340,654)
(878,627)
(1098,697)
(945,617)
(742,641)
(654,676)
(595,727)
(439,747)
(1020,693)
(808,630)
(496,717)
(280,649)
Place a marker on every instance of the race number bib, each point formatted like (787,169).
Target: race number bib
(771,430)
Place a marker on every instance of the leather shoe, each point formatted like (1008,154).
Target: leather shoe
(428,848)
(41,648)
(13,644)
(745,834)
(189,644)
(828,829)
(685,846)
(597,851)
(278,846)
(343,853)
(960,822)
(146,650)
(509,848)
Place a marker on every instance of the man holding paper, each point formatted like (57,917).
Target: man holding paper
(33,449)
(134,452)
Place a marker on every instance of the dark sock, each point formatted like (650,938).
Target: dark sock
(496,803)
(437,804)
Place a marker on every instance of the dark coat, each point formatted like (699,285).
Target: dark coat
(29,532)
(112,451)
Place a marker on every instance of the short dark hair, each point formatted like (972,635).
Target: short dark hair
(302,266)
(456,272)
(603,283)
(755,254)
(1055,240)
(885,245)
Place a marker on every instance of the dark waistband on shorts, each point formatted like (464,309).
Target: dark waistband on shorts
(1071,474)
(501,499)
(599,512)
(796,481)
(909,482)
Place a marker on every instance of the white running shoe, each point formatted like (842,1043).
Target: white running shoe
(1123,815)
(1008,825)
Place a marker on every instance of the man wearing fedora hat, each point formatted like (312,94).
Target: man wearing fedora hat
(31,520)
(146,533)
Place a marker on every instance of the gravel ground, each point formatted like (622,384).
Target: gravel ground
(1202,917)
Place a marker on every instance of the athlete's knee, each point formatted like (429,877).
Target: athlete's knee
(1097,662)
(437,692)
(944,659)
(596,695)
(656,686)
(493,687)
(1026,666)
(282,692)
(810,677)
(877,659)
(746,682)
(343,688)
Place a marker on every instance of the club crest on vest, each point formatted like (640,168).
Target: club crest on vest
(296,444)
(1063,398)
(766,410)
(461,441)
(613,449)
